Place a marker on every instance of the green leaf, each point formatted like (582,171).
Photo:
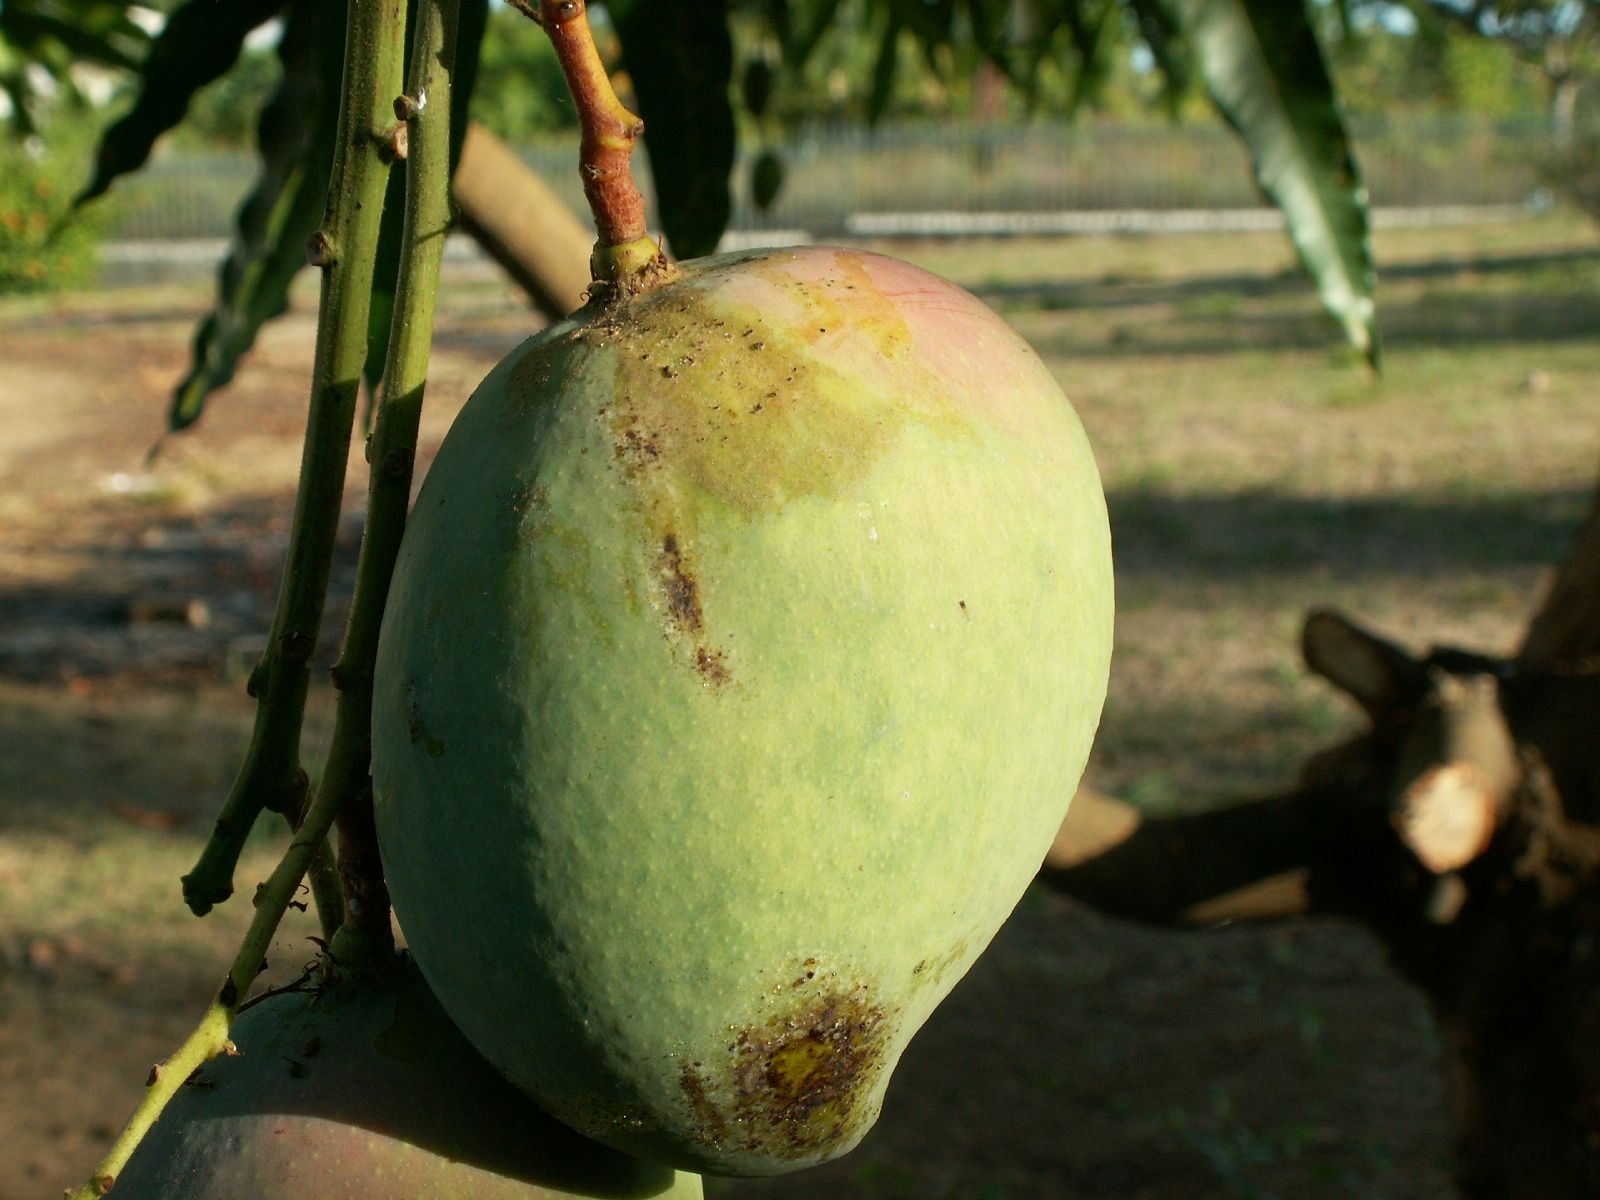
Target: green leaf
(199,43)
(42,40)
(1172,54)
(766,179)
(36,27)
(884,70)
(297,140)
(1265,73)
(802,27)
(1095,37)
(680,58)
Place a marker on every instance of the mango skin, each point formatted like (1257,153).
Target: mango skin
(745,649)
(365,1091)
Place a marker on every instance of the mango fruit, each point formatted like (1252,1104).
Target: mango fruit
(745,649)
(363,1090)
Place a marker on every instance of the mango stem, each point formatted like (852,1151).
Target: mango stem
(625,254)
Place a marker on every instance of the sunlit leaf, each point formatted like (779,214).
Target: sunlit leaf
(1094,30)
(198,44)
(1265,73)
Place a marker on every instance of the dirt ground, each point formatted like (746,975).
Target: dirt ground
(1253,470)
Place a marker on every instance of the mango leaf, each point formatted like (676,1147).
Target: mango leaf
(1172,54)
(884,69)
(1095,37)
(114,44)
(296,135)
(800,26)
(1265,72)
(198,44)
(680,58)
(42,40)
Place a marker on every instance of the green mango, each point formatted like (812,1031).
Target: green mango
(744,651)
(363,1090)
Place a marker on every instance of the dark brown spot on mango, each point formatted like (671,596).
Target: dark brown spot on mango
(800,1082)
(713,1124)
(713,666)
(679,587)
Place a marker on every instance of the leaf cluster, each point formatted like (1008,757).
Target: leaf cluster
(51,48)
(700,73)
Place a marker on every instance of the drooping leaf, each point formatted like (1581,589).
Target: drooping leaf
(1173,55)
(198,44)
(884,69)
(802,28)
(1265,72)
(296,135)
(766,179)
(472,20)
(929,21)
(680,58)
(36,24)
(755,86)
(1094,31)
(41,41)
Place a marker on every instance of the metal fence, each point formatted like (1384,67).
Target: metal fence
(834,176)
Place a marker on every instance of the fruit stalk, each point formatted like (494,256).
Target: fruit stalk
(625,254)
(425,107)
(271,776)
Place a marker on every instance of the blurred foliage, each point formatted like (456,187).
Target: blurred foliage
(1435,67)
(44,246)
(50,50)
(224,113)
(520,93)
(206,77)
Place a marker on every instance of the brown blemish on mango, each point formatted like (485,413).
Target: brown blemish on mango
(713,1125)
(931,971)
(800,1081)
(753,430)
(544,372)
(686,619)
(678,586)
(526,513)
(713,666)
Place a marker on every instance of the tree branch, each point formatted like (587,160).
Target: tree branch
(373,54)
(393,453)
(270,776)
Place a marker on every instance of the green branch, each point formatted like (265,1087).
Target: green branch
(425,108)
(210,1036)
(270,776)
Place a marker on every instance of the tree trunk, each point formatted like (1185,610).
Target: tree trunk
(521,224)
(1564,634)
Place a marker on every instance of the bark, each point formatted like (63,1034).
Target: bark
(521,224)
(1463,829)
(1565,633)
